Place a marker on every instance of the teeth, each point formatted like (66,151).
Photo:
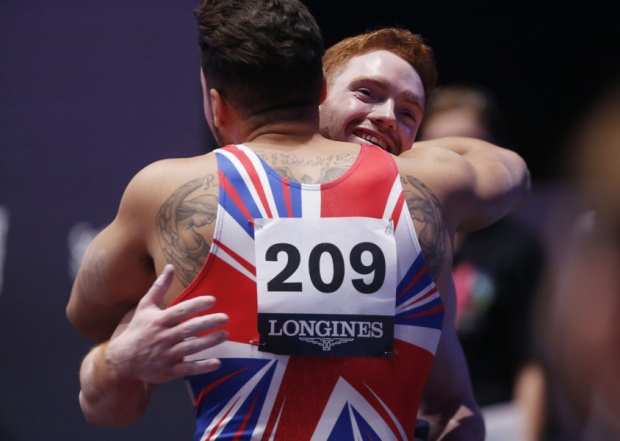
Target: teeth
(374,140)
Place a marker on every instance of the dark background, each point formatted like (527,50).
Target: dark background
(92,91)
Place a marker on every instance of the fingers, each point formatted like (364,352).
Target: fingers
(196,367)
(184,310)
(195,345)
(160,338)
(167,275)
(172,364)
(155,295)
(199,325)
(190,337)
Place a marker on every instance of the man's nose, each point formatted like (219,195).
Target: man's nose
(383,114)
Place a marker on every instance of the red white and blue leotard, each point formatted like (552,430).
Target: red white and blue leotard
(261,396)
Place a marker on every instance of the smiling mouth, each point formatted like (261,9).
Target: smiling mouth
(373,139)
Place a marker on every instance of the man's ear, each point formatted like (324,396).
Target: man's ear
(323,90)
(219,107)
(206,105)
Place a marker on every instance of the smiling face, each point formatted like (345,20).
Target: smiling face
(378,98)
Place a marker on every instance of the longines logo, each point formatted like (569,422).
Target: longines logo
(326,328)
(326,343)
(326,334)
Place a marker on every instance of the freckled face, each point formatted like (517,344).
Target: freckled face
(378,98)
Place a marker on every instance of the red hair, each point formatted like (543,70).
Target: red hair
(408,46)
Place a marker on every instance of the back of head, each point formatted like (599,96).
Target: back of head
(460,110)
(410,47)
(261,54)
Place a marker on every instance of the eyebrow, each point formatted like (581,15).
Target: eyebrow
(408,96)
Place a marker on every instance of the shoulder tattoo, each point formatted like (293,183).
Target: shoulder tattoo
(180,223)
(428,215)
(328,168)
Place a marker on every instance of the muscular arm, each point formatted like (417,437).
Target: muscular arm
(167,215)
(477,182)
(116,269)
(147,348)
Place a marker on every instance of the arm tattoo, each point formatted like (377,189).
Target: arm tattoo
(426,209)
(179,226)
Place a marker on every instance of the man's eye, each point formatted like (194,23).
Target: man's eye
(408,115)
(364,92)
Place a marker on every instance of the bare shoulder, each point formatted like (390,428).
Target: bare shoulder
(155,182)
(168,203)
(185,213)
(173,170)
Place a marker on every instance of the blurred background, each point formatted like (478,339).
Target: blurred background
(91,92)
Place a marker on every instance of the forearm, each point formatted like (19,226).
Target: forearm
(107,397)
(512,170)
(458,144)
(499,185)
(476,148)
(497,164)
(504,189)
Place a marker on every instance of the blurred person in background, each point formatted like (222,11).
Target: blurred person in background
(497,269)
(577,318)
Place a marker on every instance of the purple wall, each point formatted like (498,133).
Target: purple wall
(90,92)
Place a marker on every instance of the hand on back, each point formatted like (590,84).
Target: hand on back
(152,341)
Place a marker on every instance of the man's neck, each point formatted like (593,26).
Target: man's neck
(297,126)
(283,134)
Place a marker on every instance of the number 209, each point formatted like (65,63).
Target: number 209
(376,266)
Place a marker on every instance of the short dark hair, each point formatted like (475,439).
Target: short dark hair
(261,54)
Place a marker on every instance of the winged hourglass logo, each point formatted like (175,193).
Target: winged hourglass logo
(327,342)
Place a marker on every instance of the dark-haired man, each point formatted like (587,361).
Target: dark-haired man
(303,306)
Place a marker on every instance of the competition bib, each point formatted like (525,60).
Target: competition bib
(326,286)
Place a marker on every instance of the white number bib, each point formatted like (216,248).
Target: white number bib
(326,286)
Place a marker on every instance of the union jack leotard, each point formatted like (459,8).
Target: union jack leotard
(261,396)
